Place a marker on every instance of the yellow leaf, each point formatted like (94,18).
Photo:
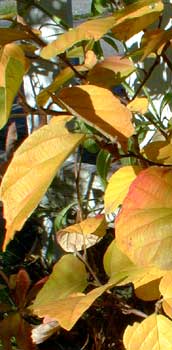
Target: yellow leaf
(82,235)
(133,18)
(111,71)
(118,187)
(166,291)
(152,333)
(153,42)
(93,29)
(100,108)
(159,151)
(62,77)
(138,105)
(68,310)
(12,67)
(32,169)
(90,59)
(145,280)
(136,17)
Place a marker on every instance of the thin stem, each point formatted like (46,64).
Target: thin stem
(89,268)
(69,64)
(166,59)
(147,76)
(140,157)
(77,182)
(128,310)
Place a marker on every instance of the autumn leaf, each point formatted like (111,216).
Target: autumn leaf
(144,225)
(63,281)
(118,186)
(67,311)
(111,71)
(13,326)
(152,42)
(32,169)
(166,291)
(89,30)
(138,105)
(8,35)
(62,77)
(152,333)
(134,18)
(100,108)
(159,152)
(145,279)
(44,331)
(12,67)
(83,234)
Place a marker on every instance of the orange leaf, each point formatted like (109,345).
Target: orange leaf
(100,108)
(133,18)
(111,71)
(159,151)
(136,17)
(144,225)
(138,105)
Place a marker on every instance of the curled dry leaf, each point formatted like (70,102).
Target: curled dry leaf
(82,235)
(45,330)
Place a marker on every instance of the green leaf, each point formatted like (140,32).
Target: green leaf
(103,163)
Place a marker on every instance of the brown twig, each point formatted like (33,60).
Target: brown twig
(147,76)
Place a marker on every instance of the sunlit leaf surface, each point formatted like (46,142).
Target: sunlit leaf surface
(166,291)
(144,225)
(12,68)
(118,186)
(134,18)
(32,169)
(145,279)
(152,333)
(100,108)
